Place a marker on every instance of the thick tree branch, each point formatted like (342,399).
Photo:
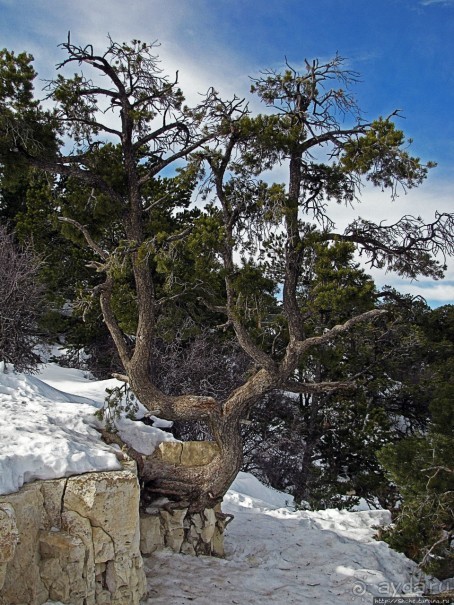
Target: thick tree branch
(159,166)
(90,241)
(407,246)
(111,322)
(297,348)
(142,141)
(58,165)
(92,124)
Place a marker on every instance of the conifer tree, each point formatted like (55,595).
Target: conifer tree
(117,165)
(421,465)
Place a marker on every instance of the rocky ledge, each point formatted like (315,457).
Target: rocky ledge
(80,540)
(73,540)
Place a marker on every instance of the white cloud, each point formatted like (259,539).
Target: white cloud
(443,2)
(186,43)
(439,293)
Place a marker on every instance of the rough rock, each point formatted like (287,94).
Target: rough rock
(9,536)
(189,453)
(74,540)
(183,532)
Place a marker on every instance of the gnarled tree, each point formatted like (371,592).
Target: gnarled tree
(131,133)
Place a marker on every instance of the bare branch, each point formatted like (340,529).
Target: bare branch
(121,377)
(408,246)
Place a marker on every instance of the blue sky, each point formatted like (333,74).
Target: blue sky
(404,50)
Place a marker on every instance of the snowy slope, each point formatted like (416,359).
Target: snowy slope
(275,555)
(47,427)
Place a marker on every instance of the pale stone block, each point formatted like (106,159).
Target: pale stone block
(9,535)
(3,567)
(209,528)
(100,568)
(52,492)
(22,582)
(188,549)
(198,521)
(60,589)
(63,549)
(76,525)
(174,539)
(151,534)
(187,453)
(110,501)
(217,544)
(198,453)
(62,566)
(175,519)
(169,451)
(207,533)
(103,545)
(61,546)
(111,577)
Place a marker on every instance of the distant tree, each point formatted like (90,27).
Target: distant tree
(143,264)
(421,465)
(21,304)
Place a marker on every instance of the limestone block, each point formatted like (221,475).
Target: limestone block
(174,539)
(78,537)
(151,534)
(102,545)
(198,453)
(137,583)
(217,544)
(9,534)
(175,519)
(52,492)
(80,527)
(188,453)
(62,565)
(103,596)
(2,575)
(22,582)
(110,501)
(188,549)
(61,546)
(174,528)
(198,521)
(208,530)
(169,451)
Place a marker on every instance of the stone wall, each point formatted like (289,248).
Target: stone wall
(79,540)
(72,540)
(181,531)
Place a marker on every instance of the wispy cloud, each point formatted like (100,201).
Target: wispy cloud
(435,294)
(187,44)
(442,2)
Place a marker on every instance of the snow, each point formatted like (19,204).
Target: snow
(274,554)
(48,427)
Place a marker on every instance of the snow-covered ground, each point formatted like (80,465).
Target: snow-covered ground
(279,556)
(275,555)
(47,427)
